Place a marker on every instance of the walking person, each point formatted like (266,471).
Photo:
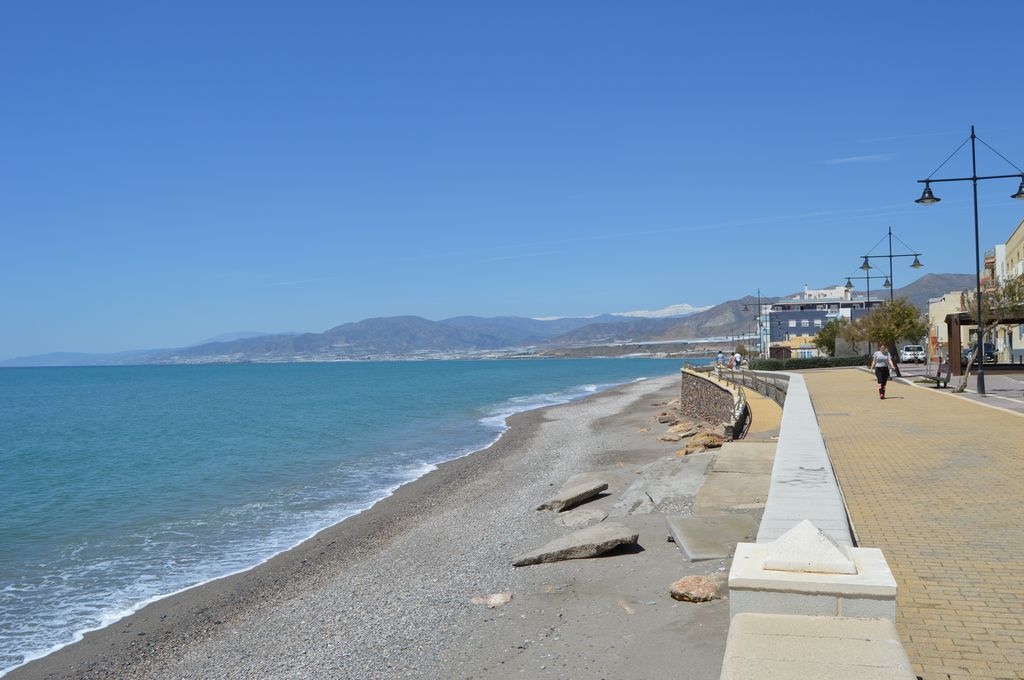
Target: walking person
(881,362)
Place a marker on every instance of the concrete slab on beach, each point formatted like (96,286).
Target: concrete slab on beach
(707,538)
(589,542)
(667,485)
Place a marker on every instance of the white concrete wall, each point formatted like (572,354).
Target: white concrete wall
(803,483)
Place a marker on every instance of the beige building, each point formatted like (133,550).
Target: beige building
(1013,336)
(800,346)
(1015,251)
(938,340)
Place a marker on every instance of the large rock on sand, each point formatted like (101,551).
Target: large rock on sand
(703,441)
(573,494)
(694,589)
(589,542)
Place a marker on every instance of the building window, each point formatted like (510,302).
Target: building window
(817,323)
(792,323)
(804,323)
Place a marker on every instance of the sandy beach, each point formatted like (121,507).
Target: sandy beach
(387,593)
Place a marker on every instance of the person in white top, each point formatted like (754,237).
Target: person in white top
(737,360)
(881,362)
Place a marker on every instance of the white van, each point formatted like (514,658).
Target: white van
(912,353)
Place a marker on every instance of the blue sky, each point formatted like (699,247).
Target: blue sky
(170,171)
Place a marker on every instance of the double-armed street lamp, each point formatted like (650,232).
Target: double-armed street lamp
(867,301)
(889,280)
(928,198)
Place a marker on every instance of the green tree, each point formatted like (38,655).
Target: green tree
(853,333)
(825,340)
(742,349)
(892,322)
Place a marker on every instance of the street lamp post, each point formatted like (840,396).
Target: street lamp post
(928,198)
(757,318)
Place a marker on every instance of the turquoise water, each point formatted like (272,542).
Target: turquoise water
(124,484)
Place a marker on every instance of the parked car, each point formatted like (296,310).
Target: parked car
(912,354)
(990,353)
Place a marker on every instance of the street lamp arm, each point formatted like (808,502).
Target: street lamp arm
(969,179)
(895,255)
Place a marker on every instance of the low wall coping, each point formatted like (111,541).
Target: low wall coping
(803,484)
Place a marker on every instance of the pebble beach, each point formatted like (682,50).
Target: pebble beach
(388,593)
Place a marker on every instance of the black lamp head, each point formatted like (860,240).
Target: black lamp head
(866,265)
(927,197)
(1020,191)
(916,264)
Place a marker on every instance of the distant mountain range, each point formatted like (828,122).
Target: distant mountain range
(413,336)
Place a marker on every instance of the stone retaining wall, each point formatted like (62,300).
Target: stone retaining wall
(703,399)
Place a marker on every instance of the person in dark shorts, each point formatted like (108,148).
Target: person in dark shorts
(881,362)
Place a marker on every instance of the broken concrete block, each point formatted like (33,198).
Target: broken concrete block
(589,542)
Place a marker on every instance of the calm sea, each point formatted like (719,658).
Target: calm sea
(121,485)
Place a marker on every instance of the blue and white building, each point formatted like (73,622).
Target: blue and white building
(804,315)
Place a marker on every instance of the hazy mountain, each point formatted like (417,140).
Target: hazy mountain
(388,335)
(407,335)
(237,335)
(81,358)
(619,330)
(933,286)
(401,334)
(518,330)
(724,319)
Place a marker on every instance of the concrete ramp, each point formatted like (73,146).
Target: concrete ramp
(709,538)
(738,479)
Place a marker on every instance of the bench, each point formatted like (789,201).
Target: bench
(938,378)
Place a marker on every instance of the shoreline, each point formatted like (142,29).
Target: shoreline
(163,626)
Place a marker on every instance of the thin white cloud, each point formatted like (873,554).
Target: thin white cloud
(871,158)
(300,281)
(522,255)
(901,137)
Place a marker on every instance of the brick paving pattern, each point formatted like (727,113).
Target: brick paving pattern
(936,482)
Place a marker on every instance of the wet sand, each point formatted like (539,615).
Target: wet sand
(387,593)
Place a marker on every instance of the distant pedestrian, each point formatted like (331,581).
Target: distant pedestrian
(737,360)
(721,358)
(881,362)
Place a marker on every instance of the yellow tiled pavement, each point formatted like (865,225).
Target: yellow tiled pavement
(936,482)
(765,416)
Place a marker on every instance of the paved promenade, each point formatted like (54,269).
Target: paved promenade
(937,482)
